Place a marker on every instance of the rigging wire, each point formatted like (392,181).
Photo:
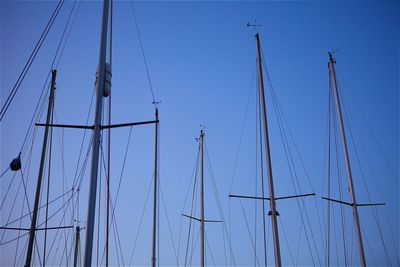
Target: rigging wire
(48,181)
(370,129)
(31,59)
(194,173)
(349,118)
(374,209)
(155,103)
(209,249)
(262,179)
(216,194)
(342,214)
(248,231)
(251,89)
(169,225)
(140,224)
(109,141)
(193,206)
(288,155)
(256,184)
(287,242)
(44,92)
(328,241)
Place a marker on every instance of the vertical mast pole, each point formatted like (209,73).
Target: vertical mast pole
(347,161)
(277,252)
(96,138)
(77,241)
(153,257)
(40,175)
(201,199)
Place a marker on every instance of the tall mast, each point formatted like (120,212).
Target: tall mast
(96,138)
(41,169)
(273,212)
(153,257)
(347,161)
(201,200)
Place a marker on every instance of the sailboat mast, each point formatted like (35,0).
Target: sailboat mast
(201,199)
(153,257)
(96,137)
(273,212)
(32,230)
(76,250)
(347,161)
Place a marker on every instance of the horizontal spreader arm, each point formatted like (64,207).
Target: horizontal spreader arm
(267,198)
(101,127)
(352,204)
(197,219)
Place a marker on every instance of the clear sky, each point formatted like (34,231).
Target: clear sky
(201,59)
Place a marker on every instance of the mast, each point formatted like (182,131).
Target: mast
(201,199)
(347,161)
(77,241)
(153,257)
(273,212)
(96,138)
(41,169)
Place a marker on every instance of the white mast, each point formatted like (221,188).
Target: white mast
(273,212)
(96,138)
(347,161)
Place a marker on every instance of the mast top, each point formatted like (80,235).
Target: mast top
(331,54)
(254,25)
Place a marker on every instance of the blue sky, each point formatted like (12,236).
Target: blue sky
(201,58)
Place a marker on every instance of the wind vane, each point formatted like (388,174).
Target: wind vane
(254,25)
